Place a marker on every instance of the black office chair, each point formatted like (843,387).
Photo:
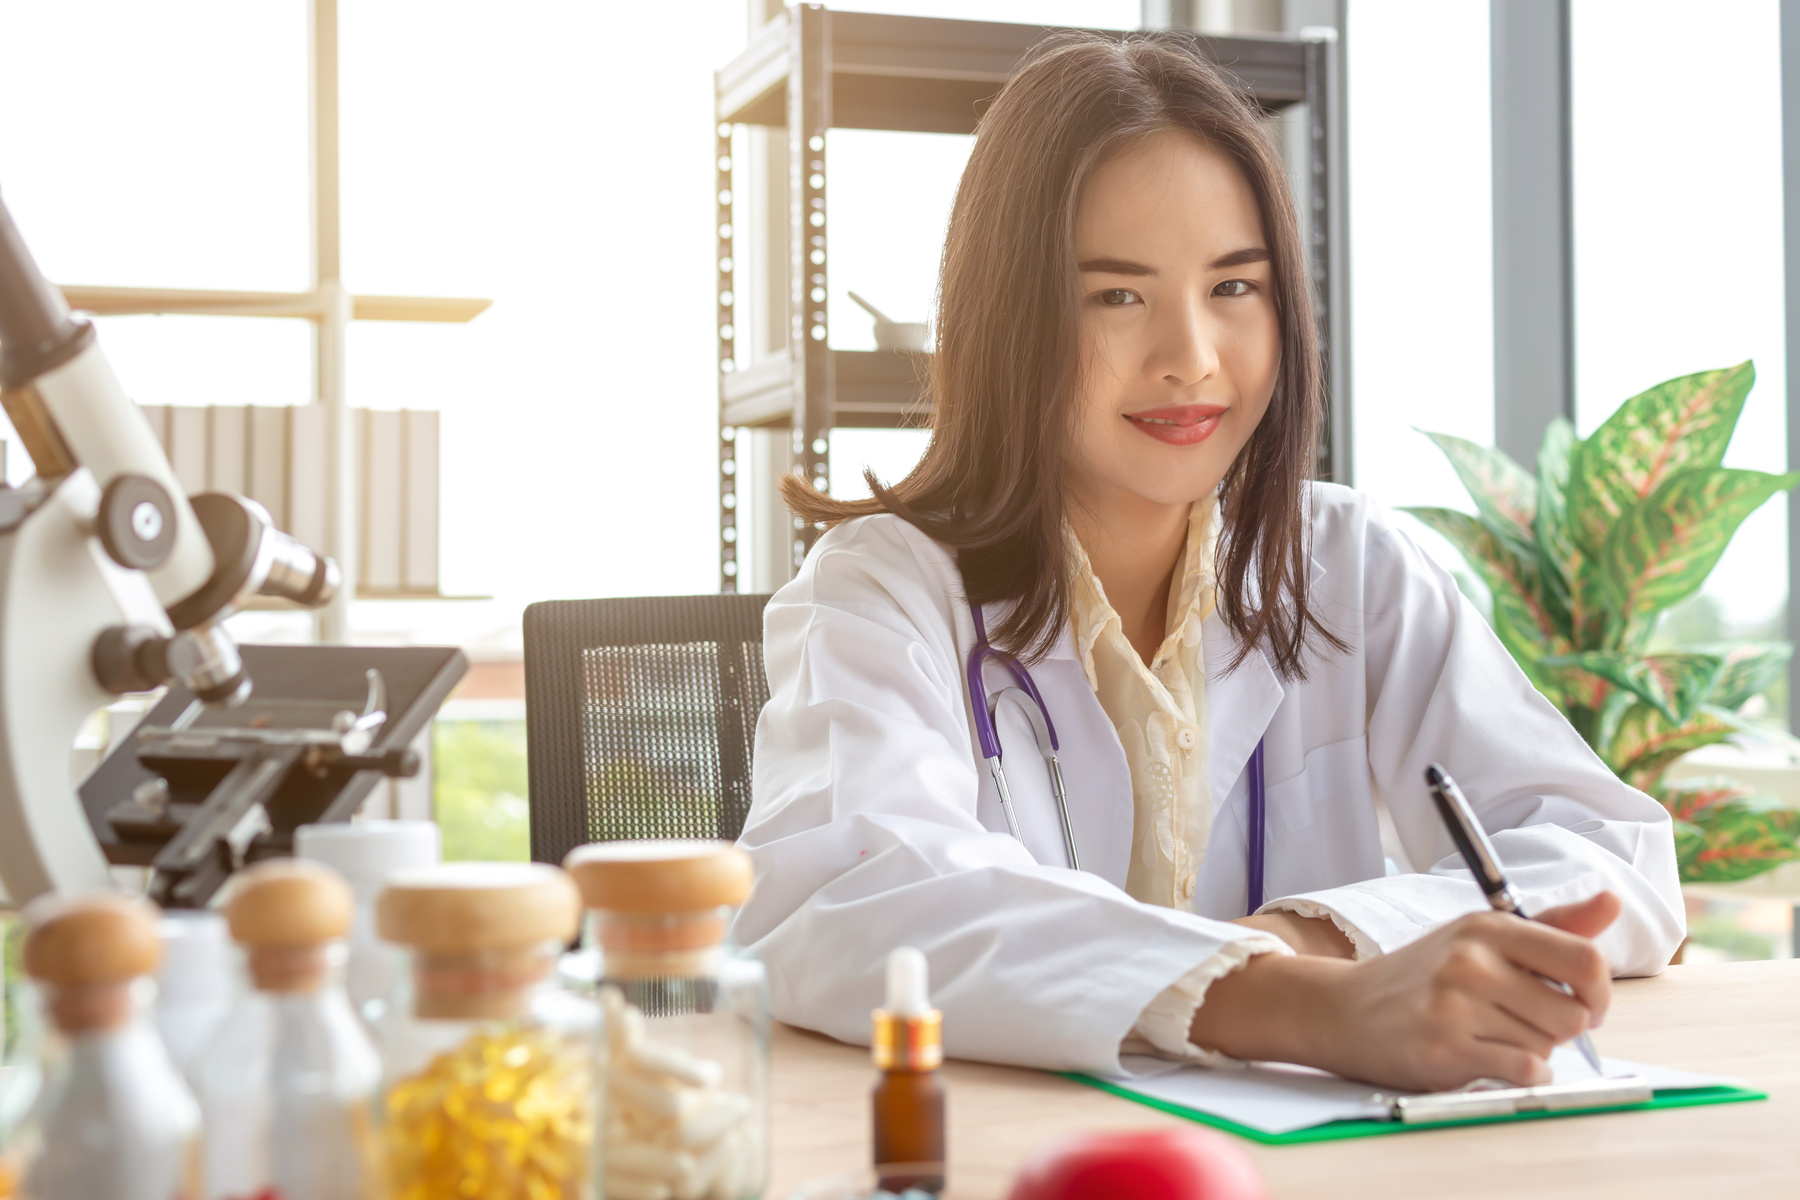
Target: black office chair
(640,717)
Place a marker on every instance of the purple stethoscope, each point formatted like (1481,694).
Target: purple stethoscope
(1030,701)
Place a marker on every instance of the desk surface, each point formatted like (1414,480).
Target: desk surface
(1740,1019)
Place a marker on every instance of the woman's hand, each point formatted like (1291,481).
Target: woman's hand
(1461,1003)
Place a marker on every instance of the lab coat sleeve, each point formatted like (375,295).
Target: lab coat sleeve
(1441,688)
(864,832)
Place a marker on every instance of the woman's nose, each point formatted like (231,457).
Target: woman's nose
(1185,350)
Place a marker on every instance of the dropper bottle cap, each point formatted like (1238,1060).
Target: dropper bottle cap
(909,1033)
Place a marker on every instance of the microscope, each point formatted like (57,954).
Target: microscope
(114,581)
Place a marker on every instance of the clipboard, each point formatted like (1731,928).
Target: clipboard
(1474,1105)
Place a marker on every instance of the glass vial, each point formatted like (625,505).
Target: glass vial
(287,1083)
(196,986)
(908,1047)
(366,854)
(115,1119)
(490,1066)
(687,1113)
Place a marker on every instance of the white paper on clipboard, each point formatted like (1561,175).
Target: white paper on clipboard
(1279,1098)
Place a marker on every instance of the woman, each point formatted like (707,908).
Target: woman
(1126,395)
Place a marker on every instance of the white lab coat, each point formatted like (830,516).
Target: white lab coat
(875,823)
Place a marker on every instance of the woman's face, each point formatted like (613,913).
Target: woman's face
(1179,335)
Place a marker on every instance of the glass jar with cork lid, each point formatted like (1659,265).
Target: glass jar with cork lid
(490,1065)
(287,1083)
(687,1019)
(115,1118)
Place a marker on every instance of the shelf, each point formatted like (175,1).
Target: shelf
(930,75)
(311,306)
(869,389)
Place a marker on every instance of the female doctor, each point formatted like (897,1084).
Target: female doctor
(1245,672)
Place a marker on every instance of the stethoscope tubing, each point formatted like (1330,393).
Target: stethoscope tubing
(987,735)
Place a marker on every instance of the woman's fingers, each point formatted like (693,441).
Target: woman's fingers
(1546,1009)
(1555,954)
(1503,1060)
(1588,918)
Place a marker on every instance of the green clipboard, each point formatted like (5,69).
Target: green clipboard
(1333,1131)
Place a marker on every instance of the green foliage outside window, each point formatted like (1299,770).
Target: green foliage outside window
(480,788)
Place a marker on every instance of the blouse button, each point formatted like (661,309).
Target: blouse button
(1187,887)
(1187,739)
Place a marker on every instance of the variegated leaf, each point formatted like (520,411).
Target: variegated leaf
(1679,425)
(1646,742)
(1559,558)
(1726,831)
(1504,493)
(1690,798)
(1750,667)
(1744,836)
(1689,842)
(1667,544)
(1519,614)
(1675,684)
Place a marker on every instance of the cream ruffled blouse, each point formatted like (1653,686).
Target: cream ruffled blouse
(1159,712)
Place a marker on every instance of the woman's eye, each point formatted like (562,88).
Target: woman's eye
(1234,287)
(1117,297)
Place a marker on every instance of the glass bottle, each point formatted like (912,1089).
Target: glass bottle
(490,1065)
(287,1083)
(196,986)
(687,1113)
(366,853)
(908,1103)
(115,1118)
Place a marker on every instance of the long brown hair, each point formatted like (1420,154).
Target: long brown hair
(1006,372)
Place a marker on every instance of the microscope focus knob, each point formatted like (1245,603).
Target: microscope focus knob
(137,522)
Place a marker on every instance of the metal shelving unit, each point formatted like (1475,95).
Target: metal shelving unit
(811,69)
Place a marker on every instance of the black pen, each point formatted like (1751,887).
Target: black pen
(1484,864)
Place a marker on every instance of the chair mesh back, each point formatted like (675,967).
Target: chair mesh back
(640,715)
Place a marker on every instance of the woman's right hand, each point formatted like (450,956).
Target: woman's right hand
(1462,1003)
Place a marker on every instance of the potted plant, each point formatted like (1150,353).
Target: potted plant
(1583,557)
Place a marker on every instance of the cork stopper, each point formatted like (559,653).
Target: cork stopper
(86,950)
(286,912)
(660,906)
(478,931)
(668,876)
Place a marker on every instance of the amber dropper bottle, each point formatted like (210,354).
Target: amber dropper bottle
(909,1099)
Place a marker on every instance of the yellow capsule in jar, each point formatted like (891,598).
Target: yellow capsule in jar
(503,1114)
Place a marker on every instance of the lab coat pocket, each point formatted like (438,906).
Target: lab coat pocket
(1322,827)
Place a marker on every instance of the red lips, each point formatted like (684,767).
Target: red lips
(1179,424)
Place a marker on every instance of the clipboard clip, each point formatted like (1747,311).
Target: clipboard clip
(1490,1098)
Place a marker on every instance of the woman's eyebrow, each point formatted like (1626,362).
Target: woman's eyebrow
(1116,266)
(1124,266)
(1239,258)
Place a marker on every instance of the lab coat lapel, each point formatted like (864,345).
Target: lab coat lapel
(1240,704)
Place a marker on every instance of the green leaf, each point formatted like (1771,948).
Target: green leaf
(1749,669)
(1520,617)
(1689,842)
(1679,425)
(1646,742)
(1744,837)
(1725,831)
(1668,543)
(1675,684)
(1504,493)
(1525,624)
(1559,558)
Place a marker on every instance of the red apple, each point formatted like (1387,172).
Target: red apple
(1146,1164)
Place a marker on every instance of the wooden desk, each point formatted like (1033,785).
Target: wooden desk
(1740,1019)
